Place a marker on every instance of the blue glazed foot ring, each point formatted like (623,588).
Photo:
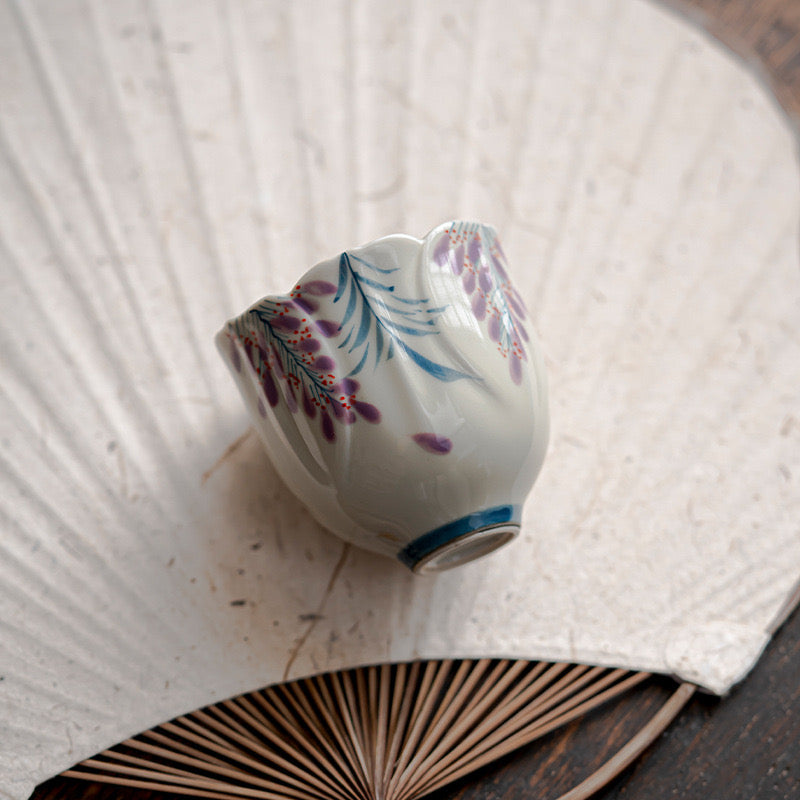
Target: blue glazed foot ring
(462,540)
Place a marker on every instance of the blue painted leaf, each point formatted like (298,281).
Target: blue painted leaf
(373,267)
(438,371)
(372,283)
(363,329)
(347,339)
(412,331)
(403,311)
(369,294)
(351,306)
(378,343)
(358,367)
(342,277)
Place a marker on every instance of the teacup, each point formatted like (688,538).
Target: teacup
(400,395)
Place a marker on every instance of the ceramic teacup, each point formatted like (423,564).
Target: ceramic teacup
(400,394)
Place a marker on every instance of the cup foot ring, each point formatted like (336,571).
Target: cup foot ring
(462,541)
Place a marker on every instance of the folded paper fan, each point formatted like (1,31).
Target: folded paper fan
(164,164)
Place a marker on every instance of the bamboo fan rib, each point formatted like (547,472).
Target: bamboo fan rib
(394,732)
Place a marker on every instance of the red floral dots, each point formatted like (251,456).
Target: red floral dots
(478,259)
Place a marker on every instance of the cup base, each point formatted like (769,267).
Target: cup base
(462,541)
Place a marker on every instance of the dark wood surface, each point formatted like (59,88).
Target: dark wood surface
(742,747)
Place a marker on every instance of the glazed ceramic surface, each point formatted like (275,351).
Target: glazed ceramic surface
(165,163)
(400,394)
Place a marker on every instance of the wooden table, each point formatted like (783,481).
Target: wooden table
(744,746)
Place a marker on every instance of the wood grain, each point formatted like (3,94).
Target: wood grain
(743,747)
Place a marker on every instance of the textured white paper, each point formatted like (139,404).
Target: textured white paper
(165,164)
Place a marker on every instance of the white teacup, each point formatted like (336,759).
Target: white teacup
(399,394)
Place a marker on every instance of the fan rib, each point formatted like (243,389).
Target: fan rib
(459,704)
(362,706)
(320,780)
(232,755)
(320,693)
(433,678)
(249,742)
(382,724)
(498,727)
(316,726)
(400,703)
(448,707)
(157,770)
(163,787)
(393,732)
(200,734)
(535,731)
(441,755)
(350,724)
(196,790)
(202,783)
(178,746)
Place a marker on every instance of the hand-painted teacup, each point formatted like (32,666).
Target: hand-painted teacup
(400,395)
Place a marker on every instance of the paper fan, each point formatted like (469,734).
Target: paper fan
(377,732)
(165,164)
